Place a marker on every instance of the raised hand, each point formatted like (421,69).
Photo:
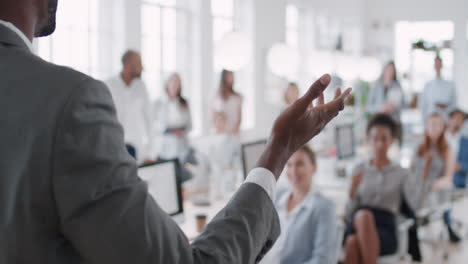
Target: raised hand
(299,123)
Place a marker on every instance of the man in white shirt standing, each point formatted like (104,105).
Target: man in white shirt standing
(439,95)
(133,106)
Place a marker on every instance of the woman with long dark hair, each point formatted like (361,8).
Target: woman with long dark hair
(386,96)
(229,102)
(173,120)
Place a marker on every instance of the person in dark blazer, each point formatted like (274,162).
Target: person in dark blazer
(69,190)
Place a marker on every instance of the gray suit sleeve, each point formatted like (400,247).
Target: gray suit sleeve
(107,215)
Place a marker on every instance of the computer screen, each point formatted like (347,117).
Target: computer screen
(344,138)
(250,154)
(163,185)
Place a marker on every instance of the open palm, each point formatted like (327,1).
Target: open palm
(299,123)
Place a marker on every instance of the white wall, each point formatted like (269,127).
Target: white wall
(113,45)
(132,20)
(269,29)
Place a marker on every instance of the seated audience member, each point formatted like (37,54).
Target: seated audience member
(375,197)
(432,167)
(308,220)
(458,142)
(458,145)
(461,169)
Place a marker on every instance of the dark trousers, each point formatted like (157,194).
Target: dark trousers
(413,246)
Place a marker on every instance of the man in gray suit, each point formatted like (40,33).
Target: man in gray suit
(69,191)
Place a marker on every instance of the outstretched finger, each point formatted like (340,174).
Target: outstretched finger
(321,100)
(337,93)
(314,91)
(338,103)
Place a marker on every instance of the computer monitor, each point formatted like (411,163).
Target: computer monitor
(250,154)
(344,138)
(164,186)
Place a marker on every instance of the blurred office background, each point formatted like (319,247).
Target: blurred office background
(268,44)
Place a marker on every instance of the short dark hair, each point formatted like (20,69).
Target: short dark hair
(127,55)
(437,57)
(309,153)
(385,121)
(457,111)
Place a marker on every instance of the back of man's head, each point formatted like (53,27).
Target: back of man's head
(35,18)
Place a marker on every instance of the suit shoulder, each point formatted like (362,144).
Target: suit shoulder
(66,75)
(49,75)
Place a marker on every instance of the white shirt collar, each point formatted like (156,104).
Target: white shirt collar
(19,32)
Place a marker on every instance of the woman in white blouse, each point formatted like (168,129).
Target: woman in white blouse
(229,102)
(173,121)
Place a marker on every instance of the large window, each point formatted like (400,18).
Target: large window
(75,42)
(88,37)
(166,43)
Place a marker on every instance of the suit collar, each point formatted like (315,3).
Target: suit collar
(11,36)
